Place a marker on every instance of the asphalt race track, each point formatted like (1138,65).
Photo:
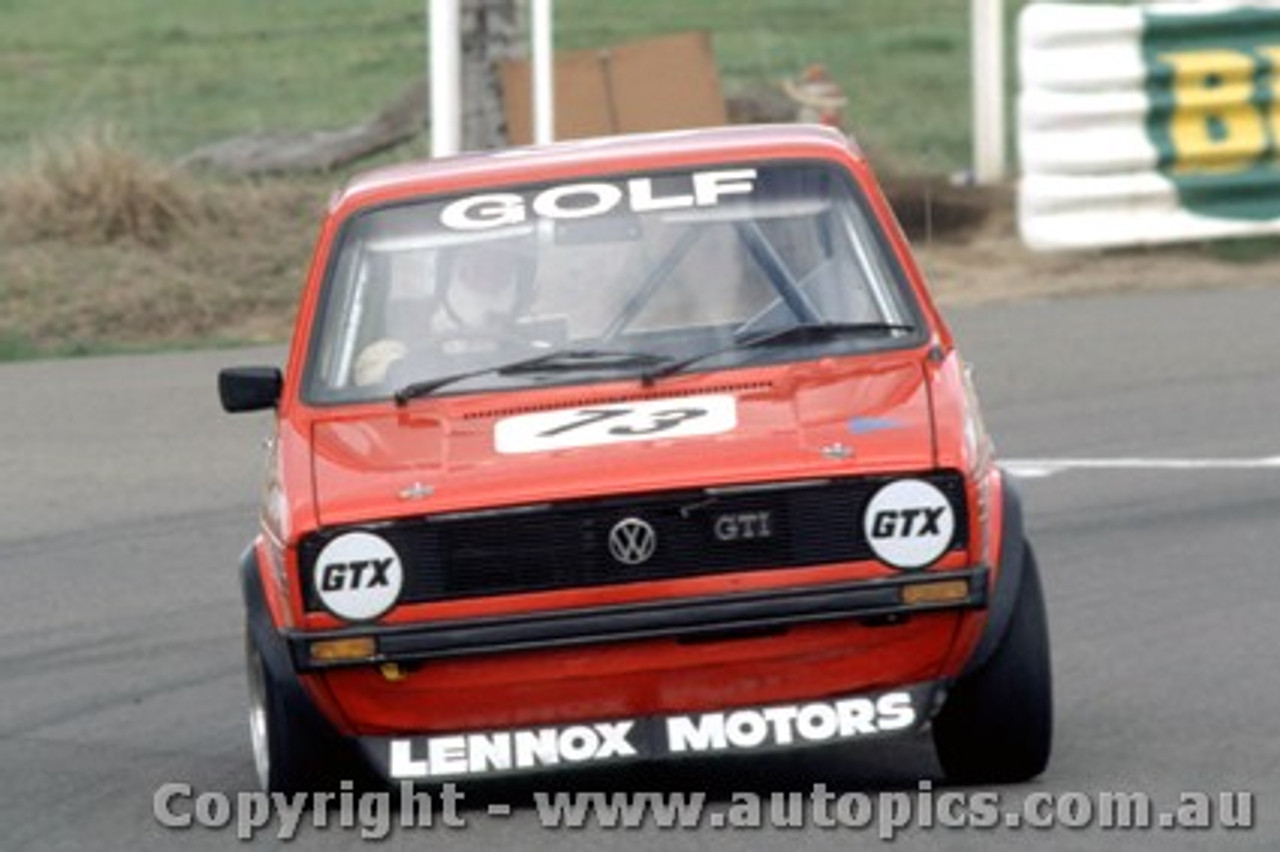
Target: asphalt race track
(1145,427)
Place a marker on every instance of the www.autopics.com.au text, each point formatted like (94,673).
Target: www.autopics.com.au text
(375,815)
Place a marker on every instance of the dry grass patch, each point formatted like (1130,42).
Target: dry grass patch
(103,248)
(94,190)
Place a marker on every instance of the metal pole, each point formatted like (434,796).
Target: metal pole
(544,110)
(445,68)
(987,62)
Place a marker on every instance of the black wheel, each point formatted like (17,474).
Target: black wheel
(294,747)
(997,723)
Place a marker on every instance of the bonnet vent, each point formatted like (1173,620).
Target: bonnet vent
(615,399)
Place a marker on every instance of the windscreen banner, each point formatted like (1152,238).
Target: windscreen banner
(1148,123)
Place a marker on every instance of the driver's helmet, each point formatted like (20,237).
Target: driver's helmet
(487,285)
(482,291)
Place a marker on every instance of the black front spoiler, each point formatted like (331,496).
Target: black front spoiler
(879,600)
(424,758)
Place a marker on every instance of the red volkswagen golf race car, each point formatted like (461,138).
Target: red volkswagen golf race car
(629,449)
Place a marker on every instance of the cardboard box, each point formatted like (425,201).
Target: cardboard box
(665,83)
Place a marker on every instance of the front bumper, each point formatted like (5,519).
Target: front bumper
(884,600)
(740,730)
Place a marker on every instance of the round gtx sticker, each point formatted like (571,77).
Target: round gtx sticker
(358,576)
(909,523)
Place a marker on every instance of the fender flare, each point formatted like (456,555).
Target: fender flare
(1008,579)
(270,644)
(305,715)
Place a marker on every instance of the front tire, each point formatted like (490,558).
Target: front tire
(295,750)
(997,723)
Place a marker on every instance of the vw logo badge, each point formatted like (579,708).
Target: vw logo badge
(632,541)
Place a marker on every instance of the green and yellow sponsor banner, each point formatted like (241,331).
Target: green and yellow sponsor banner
(1213,83)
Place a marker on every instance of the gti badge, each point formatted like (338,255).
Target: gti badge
(632,541)
(741,526)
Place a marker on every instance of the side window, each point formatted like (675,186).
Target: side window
(326,357)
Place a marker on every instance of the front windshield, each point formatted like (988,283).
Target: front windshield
(665,266)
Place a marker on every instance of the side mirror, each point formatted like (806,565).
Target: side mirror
(249,388)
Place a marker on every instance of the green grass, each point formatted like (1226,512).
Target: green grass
(1244,250)
(173,74)
(134,83)
(17,347)
(903,63)
(176,73)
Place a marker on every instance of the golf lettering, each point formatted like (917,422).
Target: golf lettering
(587,199)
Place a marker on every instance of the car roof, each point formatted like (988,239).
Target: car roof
(585,157)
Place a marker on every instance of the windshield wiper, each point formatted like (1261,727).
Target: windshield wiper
(804,333)
(561,360)
(569,360)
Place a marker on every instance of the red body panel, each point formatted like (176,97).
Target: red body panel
(787,414)
(643,678)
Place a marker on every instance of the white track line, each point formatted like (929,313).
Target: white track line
(1034,468)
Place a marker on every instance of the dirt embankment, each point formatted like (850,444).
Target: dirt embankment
(101,249)
(966,240)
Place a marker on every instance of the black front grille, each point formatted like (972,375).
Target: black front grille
(566,545)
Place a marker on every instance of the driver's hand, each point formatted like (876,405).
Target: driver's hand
(374,360)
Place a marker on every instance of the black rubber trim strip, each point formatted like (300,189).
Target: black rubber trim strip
(1008,578)
(275,651)
(686,617)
